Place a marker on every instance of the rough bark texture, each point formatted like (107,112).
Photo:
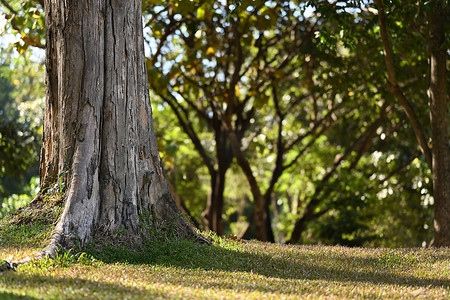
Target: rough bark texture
(439,124)
(98,133)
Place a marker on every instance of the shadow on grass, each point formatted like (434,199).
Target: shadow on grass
(272,263)
(162,266)
(10,296)
(63,288)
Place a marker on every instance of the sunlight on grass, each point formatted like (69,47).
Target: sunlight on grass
(168,267)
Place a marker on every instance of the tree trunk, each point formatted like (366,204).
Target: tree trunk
(212,215)
(214,208)
(269,231)
(300,225)
(98,132)
(260,215)
(439,125)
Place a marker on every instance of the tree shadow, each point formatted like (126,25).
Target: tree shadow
(387,268)
(79,288)
(195,266)
(11,296)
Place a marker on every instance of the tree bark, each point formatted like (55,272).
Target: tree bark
(98,132)
(439,117)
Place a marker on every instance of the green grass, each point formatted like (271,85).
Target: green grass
(168,267)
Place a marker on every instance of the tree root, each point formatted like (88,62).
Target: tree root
(50,251)
(12,265)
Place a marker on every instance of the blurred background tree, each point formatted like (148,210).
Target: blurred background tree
(273,117)
(21,113)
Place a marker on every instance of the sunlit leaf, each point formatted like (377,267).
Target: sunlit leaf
(210,51)
(201,13)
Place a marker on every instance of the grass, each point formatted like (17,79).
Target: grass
(168,267)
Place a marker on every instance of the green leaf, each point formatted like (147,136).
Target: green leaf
(201,13)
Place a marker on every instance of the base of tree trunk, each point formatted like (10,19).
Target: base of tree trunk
(48,208)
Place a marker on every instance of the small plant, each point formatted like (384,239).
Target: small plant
(86,259)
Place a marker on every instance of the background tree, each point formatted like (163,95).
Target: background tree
(438,17)
(436,156)
(21,99)
(354,30)
(234,81)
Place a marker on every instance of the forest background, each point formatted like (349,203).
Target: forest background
(274,118)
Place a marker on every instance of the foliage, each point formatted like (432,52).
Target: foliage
(187,67)
(15,201)
(24,19)
(21,117)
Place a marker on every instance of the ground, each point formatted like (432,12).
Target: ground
(169,267)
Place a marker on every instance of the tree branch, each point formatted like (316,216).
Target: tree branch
(394,88)
(358,145)
(6,4)
(191,133)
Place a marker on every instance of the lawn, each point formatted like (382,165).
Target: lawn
(168,267)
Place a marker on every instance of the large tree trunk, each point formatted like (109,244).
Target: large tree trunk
(439,124)
(98,132)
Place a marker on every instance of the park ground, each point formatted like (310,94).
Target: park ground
(229,268)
